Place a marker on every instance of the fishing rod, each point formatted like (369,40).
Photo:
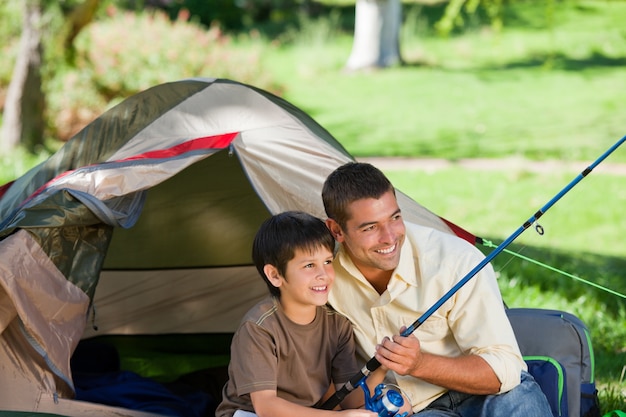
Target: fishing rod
(373,363)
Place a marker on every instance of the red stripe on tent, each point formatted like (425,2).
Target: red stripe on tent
(460,232)
(208,142)
(5,187)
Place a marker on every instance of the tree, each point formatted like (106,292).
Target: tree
(23,120)
(376,34)
(76,19)
(377,27)
(24,110)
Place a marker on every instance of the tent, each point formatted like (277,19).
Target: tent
(142,223)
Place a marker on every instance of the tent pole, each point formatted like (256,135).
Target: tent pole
(373,363)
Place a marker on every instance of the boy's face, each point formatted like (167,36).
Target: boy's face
(373,234)
(308,278)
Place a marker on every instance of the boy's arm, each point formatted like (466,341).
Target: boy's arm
(267,404)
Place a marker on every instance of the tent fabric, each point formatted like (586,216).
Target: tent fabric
(142,223)
(149,304)
(50,309)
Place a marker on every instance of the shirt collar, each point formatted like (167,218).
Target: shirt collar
(406,269)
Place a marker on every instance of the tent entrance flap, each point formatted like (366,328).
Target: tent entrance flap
(204,216)
(211,300)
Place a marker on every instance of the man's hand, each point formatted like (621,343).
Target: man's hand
(400,354)
(467,373)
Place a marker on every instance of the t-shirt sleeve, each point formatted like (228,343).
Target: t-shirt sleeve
(253,359)
(344,365)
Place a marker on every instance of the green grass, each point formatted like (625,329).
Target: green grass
(18,162)
(538,91)
(496,203)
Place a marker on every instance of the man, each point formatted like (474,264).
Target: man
(464,360)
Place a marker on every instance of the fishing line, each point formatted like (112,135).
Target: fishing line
(373,363)
(551,268)
(503,267)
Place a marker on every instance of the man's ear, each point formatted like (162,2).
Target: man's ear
(335,229)
(271,272)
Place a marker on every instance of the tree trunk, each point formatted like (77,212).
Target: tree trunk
(23,119)
(79,17)
(376,34)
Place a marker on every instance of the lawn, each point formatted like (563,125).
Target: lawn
(535,91)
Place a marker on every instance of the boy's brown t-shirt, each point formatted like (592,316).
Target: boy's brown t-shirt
(270,352)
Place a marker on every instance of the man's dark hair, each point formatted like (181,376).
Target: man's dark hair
(350,182)
(281,235)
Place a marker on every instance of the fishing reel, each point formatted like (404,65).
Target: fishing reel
(386,402)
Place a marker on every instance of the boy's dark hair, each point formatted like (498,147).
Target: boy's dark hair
(281,235)
(350,182)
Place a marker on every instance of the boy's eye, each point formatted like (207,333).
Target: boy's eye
(328,262)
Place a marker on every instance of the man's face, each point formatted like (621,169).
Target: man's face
(373,235)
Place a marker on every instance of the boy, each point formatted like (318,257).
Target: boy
(291,347)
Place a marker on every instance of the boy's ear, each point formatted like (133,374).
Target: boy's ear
(271,272)
(335,229)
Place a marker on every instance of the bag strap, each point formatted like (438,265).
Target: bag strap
(616,413)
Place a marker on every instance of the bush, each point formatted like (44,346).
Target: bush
(129,52)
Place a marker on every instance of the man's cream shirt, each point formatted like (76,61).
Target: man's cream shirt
(472,321)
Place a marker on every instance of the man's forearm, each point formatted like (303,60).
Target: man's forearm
(470,374)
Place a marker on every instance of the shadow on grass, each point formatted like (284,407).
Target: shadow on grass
(555,61)
(604,313)
(561,61)
(606,271)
